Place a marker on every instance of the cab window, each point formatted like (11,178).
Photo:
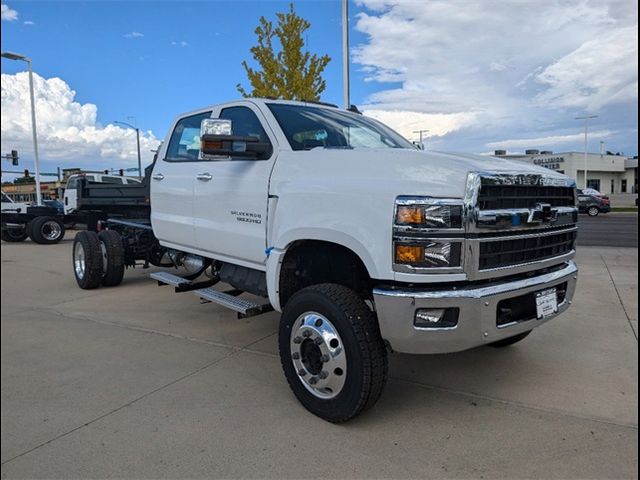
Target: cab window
(184,144)
(72,184)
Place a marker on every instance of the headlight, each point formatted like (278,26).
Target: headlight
(427,253)
(426,213)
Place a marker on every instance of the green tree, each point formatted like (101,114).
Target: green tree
(291,73)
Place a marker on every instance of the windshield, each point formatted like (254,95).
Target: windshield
(308,127)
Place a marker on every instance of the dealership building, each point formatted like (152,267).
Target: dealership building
(609,174)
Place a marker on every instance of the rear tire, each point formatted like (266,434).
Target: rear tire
(506,342)
(112,257)
(15,234)
(593,211)
(46,230)
(331,352)
(87,260)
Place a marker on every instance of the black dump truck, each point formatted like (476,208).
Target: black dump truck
(96,202)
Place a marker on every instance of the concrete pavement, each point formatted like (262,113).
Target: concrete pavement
(136,381)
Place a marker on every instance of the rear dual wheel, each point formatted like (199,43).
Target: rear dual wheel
(98,259)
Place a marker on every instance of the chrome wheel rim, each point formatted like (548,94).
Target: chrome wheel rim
(593,211)
(318,355)
(79,263)
(51,230)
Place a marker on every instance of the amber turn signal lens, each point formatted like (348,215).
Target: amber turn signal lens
(409,214)
(211,145)
(409,254)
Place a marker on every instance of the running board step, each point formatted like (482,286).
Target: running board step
(170,279)
(245,308)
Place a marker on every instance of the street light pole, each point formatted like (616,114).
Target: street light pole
(345,53)
(17,56)
(586,119)
(137,144)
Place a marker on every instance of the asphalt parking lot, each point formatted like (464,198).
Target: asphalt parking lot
(609,229)
(136,381)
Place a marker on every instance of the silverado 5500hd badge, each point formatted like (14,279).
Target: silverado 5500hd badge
(247,217)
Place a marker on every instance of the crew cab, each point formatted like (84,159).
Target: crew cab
(365,244)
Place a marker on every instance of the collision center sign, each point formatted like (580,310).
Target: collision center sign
(552,163)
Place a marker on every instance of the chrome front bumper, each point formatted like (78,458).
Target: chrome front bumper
(477,312)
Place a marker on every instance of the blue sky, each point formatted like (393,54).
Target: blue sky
(86,44)
(478,75)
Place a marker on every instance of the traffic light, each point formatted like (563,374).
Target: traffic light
(14,157)
(26,173)
(122,172)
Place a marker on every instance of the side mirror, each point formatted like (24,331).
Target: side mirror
(217,140)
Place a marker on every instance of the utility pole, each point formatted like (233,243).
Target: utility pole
(586,119)
(420,132)
(345,53)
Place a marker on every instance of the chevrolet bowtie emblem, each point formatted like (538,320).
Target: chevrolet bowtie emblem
(542,213)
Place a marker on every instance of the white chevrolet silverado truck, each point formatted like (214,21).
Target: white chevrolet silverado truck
(366,244)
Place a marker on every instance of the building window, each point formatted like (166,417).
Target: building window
(594,183)
(623,185)
(613,186)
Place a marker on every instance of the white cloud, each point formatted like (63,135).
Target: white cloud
(549,141)
(407,122)
(28,22)
(68,132)
(182,43)
(599,72)
(500,69)
(133,35)
(7,13)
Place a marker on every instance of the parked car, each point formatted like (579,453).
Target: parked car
(593,205)
(365,243)
(590,191)
(57,204)
(595,193)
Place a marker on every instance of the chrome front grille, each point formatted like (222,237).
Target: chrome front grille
(499,197)
(531,248)
(517,223)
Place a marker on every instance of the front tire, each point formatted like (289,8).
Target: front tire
(46,230)
(87,260)
(331,352)
(15,234)
(593,211)
(112,257)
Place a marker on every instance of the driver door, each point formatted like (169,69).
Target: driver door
(231,196)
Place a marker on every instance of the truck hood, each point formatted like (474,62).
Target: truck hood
(411,172)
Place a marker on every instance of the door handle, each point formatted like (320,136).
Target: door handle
(158,176)
(205,177)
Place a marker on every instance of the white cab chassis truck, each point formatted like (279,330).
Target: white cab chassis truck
(365,244)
